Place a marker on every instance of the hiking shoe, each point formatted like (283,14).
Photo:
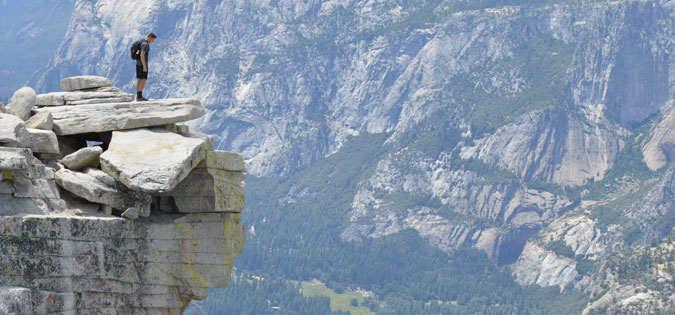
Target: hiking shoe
(141,99)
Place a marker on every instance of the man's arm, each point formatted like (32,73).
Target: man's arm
(143,61)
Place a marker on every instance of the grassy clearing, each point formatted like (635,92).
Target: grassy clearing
(338,302)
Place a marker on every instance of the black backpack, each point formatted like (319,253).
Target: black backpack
(136,50)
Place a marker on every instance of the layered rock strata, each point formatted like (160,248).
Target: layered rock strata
(67,244)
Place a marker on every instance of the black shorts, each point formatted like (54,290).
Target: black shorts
(140,74)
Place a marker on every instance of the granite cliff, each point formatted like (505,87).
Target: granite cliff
(107,206)
(540,133)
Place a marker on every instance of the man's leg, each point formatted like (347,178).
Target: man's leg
(139,88)
(141,85)
(142,77)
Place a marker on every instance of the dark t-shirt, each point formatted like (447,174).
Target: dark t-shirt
(145,46)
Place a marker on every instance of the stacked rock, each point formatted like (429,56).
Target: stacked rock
(76,166)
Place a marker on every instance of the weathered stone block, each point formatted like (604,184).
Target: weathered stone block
(51,99)
(15,158)
(81,98)
(210,190)
(10,205)
(22,102)
(43,141)
(200,204)
(84,82)
(85,157)
(151,160)
(211,182)
(29,171)
(13,130)
(94,190)
(223,160)
(35,188)
(43,120)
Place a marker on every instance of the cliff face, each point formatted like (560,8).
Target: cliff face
(142,223)
(297,79)
(519,129)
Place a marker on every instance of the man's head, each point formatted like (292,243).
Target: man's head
(151,37)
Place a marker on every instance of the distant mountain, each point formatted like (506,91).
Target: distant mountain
(30,32)
(539,132)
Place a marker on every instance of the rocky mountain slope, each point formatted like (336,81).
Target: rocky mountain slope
(142,223)
(538,132)
(29,26)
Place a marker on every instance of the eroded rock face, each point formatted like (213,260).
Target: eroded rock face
(537,265)
(110,265)
(76,240)
(660,146)
(550,146)
(515,212)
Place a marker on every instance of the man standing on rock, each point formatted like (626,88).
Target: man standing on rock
(142,66)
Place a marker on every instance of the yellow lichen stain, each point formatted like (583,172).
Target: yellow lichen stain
(7,174)
(189,251)
(228,229)
(199,158)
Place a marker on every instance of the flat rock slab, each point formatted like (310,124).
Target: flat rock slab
(97,191)
(84,82)
(13,130)
(70,120)
(81,97)
(85,157)
(151,160)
